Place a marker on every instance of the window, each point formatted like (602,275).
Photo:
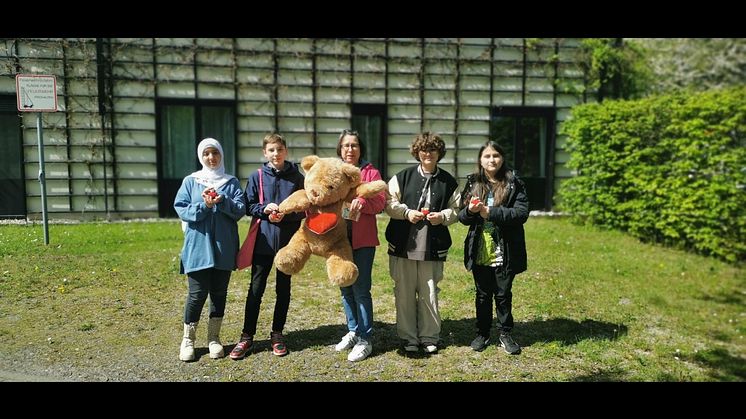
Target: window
(370,121)
(13,190)
(527,136)
(181,126)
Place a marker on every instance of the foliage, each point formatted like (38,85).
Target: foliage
(669,169)
(615,68)
(693,63)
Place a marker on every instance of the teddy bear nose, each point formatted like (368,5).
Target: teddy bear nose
(314,193)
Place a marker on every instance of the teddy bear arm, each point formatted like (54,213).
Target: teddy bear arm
(369,189)
(296,202)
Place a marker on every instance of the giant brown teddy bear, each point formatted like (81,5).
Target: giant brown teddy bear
(329,183)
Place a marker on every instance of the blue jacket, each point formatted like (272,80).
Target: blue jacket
(211,237)
(278,185)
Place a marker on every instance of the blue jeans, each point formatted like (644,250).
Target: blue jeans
(356,299)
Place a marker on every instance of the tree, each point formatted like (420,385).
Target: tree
(693,63)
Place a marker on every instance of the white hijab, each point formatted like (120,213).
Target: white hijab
(211,178)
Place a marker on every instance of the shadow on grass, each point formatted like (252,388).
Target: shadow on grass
(723,366)
(610,375)
(726,297)
(564,331)
(454,332)
(567,331)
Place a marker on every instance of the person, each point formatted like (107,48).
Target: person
(495,207)
(363,235)
(209,203)
(280,178)
(423,201)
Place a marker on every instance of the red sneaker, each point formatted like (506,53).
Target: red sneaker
(278,344)
(243,347)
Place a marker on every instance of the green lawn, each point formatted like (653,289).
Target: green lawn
(104,301)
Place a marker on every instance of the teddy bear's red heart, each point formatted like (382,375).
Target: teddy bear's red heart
(321,223)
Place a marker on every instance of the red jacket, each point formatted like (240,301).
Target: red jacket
(365,231)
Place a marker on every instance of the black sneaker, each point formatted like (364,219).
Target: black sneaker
(507,342)
(480,343)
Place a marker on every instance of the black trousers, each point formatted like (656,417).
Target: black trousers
(260,269)
(493,283)
(201,283)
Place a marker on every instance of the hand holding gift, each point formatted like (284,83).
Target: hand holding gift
(475,205)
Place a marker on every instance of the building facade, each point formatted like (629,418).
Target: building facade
(131,111)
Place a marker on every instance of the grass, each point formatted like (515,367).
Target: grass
(104,301)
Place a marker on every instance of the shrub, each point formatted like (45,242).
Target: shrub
(668,169)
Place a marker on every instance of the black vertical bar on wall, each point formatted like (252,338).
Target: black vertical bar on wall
(155,70)
(523,77)
(422,84)
(386,75)
(586,66)
(195,69)
(102,110)
(275,64)
(112,127)
(556,73)
(352,77)
(158,145)
(551,132)
(234,56)
(16,59)
(384,151)
(458,104)
(492,75)
(314,105)
(68,145)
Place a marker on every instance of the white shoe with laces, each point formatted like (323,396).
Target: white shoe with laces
(360,351)
(348,341)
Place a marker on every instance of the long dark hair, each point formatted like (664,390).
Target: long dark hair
(481,185)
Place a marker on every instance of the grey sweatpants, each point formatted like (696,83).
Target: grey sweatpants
(416,295)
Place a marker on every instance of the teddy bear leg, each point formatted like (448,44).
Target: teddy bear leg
(293,257)
(342,272)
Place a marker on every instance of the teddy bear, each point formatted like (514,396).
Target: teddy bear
(329,183)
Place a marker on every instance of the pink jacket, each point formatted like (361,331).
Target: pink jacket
(365,231)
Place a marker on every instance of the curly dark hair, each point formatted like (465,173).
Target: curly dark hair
(427,141)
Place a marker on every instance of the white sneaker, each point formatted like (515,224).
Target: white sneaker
(360,351)
(430,348)
(348,341)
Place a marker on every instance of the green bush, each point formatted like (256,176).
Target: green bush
(668,169)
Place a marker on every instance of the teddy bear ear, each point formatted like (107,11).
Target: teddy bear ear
(308,162)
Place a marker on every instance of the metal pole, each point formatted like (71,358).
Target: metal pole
(42,179)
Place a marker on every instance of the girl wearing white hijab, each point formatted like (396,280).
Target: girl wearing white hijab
(209,203)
